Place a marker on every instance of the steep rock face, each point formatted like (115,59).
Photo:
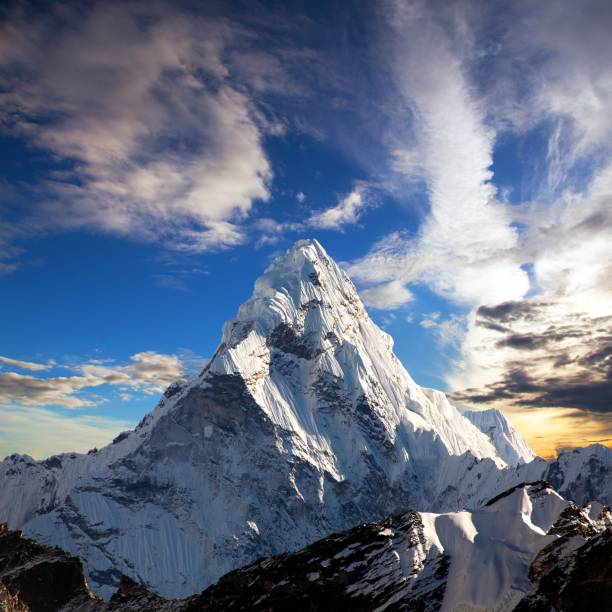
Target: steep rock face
(38,578)
(35,577)
(303,423)
(573,572)
(508,443)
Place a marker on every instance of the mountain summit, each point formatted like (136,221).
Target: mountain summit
(302,424)
(508,442)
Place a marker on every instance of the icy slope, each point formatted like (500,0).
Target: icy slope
(509,444)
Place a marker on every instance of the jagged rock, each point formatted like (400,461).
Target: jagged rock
(390,561)
(38,578)
(574,572)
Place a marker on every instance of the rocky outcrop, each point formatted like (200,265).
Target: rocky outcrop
(39,578)
(379,564)
(574,572)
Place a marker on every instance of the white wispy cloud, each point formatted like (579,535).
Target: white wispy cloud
(464,248)
(25,365)
(164,144)
(148,372)
(346,212)
(386,296)
(555,67)
(448,331)
(54,390)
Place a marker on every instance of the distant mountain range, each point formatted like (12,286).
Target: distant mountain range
(303,424)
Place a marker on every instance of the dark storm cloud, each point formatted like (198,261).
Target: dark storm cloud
(537,340)
(599,359)
(583,393)
(503,317)
(563,366)
(493,326)
(508,311)
(591,395)
(522,341)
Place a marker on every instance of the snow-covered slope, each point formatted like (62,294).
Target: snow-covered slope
(509,444)
(489,559)
(583,474)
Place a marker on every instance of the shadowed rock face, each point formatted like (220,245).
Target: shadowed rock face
(35,577)
(571,574)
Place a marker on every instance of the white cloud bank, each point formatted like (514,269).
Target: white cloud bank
(140,104)
(549,72)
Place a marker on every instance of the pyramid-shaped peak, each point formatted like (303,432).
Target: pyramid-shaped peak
(303,262)
(305,271)
(303,289)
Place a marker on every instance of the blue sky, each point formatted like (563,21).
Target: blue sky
(157,156)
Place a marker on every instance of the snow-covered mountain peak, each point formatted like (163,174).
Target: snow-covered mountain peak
(508,442)
(305,347)
(305,263)
(303,423)
(302,292)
